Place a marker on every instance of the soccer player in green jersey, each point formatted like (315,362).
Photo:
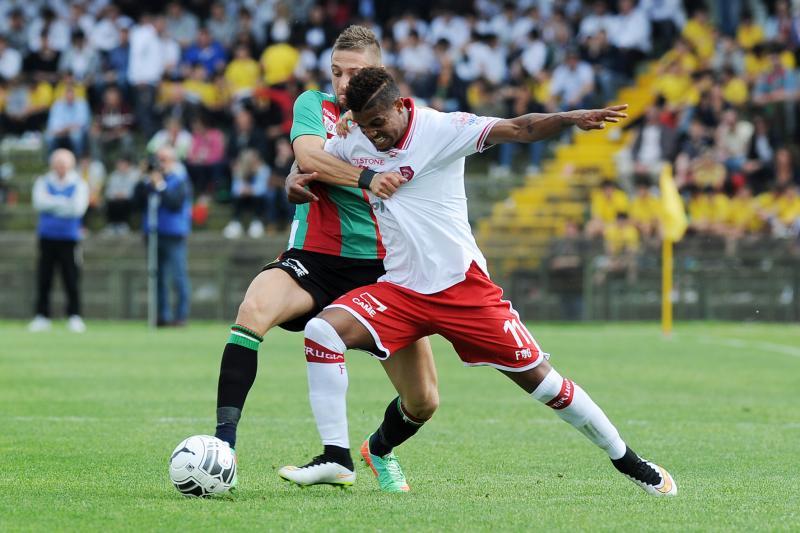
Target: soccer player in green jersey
(334,247)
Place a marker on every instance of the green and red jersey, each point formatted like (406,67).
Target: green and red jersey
(341,222)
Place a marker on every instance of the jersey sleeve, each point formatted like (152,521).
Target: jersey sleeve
(335,147)
(463,134)
(308,116)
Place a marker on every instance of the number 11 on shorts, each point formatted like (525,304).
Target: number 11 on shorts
(518,331)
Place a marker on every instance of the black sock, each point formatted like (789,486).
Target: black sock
(339,455)
(397,427)
(236,375)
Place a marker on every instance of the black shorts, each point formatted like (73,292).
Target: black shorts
(325,277)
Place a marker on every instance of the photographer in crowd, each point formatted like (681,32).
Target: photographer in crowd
(168,184)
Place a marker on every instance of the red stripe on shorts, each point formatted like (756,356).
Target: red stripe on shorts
(317,353)
(564,397)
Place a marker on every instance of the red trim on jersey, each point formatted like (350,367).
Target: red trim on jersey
(324,233)
(381,251)
(404,141)
(485,133)
(317,353)
(564,397)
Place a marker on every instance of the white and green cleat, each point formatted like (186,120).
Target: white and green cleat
(319,471)
(386,469)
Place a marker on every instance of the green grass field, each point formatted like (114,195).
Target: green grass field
(89,422)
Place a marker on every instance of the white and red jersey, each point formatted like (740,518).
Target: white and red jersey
(424,225)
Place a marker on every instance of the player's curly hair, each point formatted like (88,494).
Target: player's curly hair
(357,37)
(371,87)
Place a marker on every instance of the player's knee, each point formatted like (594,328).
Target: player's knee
(421,405)
(254,314)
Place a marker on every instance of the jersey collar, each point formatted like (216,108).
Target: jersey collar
(405,140)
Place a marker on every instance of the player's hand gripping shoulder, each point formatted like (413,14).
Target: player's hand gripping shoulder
(296,184)
(385,184)
(345,123)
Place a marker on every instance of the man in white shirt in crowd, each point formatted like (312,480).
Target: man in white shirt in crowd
(572,83)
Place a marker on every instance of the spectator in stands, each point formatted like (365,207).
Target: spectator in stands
(242,73)
(93,172)
(80,59)
(246,136)
(169,182)
(248,194)
(117,61)
(780,26)
(565,264)
(732,140)
(146,65)
(621,242)
(776,92)
(606,203)
(206,157)
(654,144)
(708,210)
(26,107)
(56,31)
(279,210)
(119,194)
(42,63)
(279,61)
(667,17)
(645,209)
(416,60)
(10,60)
(572,84)
(105,33)
(221,27)
(758,165)
(785,171)
(594,22)
(16,32)
(60,197)
(173,135)
(68,123)
(205,52)
(181,25)
(113,126)
(630,34)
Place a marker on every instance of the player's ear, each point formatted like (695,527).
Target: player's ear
(398,104)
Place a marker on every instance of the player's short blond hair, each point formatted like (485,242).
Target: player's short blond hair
(357,37)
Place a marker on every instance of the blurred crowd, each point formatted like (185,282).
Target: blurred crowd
(726,117)
(112,81)
(215,80)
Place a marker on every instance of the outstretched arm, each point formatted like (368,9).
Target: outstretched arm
(538,126)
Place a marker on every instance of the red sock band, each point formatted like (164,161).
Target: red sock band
(564,398)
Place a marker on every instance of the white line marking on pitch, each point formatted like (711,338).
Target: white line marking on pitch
(758,345)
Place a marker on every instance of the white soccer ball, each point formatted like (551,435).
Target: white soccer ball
(202,466)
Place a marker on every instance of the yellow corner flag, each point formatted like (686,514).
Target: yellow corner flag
(673,215)
(673,224)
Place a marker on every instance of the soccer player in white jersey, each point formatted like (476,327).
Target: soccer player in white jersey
(436,279)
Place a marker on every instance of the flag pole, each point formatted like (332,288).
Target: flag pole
(666,287)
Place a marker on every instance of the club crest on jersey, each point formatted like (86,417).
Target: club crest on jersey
(369,303)
(406,172)
(462,120)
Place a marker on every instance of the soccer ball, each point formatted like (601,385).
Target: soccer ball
(203,466)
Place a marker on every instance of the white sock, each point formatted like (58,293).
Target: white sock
(327,381)
(571,403)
